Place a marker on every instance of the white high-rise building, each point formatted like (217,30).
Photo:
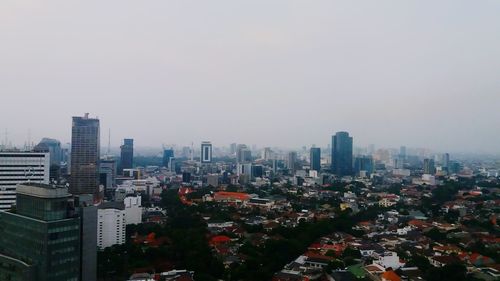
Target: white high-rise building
(206,152)
(111,226)
(20,167)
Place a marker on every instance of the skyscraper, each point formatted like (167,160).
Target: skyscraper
(41,239)
(315,158)
(20,167)
(429,166)
(85,150)
(291,161)
(342,154)
(446,161)
(167,155)
(127,154)
(206,152)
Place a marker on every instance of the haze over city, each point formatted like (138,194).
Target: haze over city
(270,73)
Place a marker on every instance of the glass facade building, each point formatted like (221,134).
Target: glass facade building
(41,237)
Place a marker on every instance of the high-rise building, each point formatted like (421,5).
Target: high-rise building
(267,153)
(243,154)
(111,224)
(315,158)
(53,147)
(127,154)
(20,167)
(429,166)
(206,152)
(232,148)
(402,152)
(291,161)
(41,239)
(167,154)
(363,163)
(446,161)
(107,172)
(342,154)
(85,151)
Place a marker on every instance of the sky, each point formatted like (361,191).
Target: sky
(420,73)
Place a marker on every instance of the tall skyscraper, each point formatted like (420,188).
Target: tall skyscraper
(291,161)
(429,166)
(315,158)
(206,152)
(402,152)
(167,155)
(342,154)
(85,151)
(127,154)
(41,239)
(446,161)
(20,167)
(243,154)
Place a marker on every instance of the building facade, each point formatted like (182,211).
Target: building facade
(21,167)
(315,159)
(111,224)
(342,154)
(127,154)
(41,239)
(85,151)
(206,152)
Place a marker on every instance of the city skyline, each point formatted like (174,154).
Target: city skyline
(288,75)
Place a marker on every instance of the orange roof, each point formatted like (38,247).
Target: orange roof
(234,195)
(220,239)
(390,276)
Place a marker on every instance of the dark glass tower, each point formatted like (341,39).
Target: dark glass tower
(342,154)
(127,154)
(315,159)
(85,156)
(167,155)
(40,240)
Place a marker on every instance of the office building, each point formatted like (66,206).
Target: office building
(342,154)
(402,152)
(111,224)
(267,154)
(167,155)
(445,161)
(85,151)
(133,210)
(206,152)
(315,159)
(107,172)
(40,241)
(232,148)
(53,147)
(20,167)
(127,154)
(363,163)
(429,166)
(291,161)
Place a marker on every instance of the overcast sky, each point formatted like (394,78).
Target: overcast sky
(421,73)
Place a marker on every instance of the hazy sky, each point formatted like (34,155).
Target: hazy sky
(421,73)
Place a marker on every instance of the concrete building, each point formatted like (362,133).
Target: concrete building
(85,151)
(291,161)
(111,224)
(20,167)
(133,210)
(213,180)
(206,152)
